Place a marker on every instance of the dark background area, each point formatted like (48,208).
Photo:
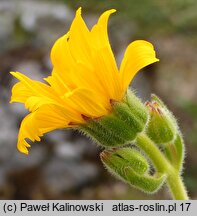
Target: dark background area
(66,165)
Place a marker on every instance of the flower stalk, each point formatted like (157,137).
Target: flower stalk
(174,180)
(176,186)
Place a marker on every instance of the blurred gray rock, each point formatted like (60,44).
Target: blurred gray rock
(19,18)
(6,23)
(61,175)
(67,150)
(18,110)
(58,135)
(30,68)
(2,177)
(31,12)
(9,154)
(8,133)
(37,155)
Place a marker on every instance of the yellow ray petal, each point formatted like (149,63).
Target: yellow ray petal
(20,93)
(43,120)
(99,32)
(60,55)
(71,48)
(79,40)
(138,54)
(36,94)
(27,88)
(58,84)
(88,103)
(83,59)
(34,86)
(107,69)
(69,72)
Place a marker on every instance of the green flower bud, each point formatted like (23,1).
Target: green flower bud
(174,149)
(121,126)
(162,127)
(129,165)
(117,159)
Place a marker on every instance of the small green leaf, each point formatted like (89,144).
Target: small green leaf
(158,100)
(146,183)
(175,152)
(180,149)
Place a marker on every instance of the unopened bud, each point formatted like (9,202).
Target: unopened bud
(130,165)
(162,127)
(116,160)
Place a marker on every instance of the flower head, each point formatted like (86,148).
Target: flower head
(84,80)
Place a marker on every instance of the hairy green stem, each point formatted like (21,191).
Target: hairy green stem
(162,165)
(176,186)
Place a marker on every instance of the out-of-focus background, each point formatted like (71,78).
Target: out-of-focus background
(66,165)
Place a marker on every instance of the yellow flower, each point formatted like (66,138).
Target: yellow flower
(85,78)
